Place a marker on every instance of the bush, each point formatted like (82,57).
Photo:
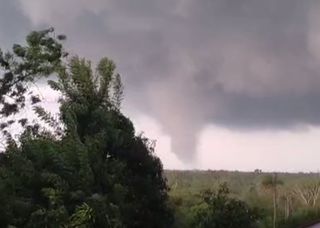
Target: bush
(218,210)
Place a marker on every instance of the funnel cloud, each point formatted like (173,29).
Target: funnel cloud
(246,65)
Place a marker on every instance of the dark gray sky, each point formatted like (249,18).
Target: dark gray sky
(242,66)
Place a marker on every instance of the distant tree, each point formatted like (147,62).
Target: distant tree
(94,171)
(270,182)
(257,171)
(219,210)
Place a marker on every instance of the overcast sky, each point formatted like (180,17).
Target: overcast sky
(220,84)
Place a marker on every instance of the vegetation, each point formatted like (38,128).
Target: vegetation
(220,211)
(253,189)
(271,183)
(86,168)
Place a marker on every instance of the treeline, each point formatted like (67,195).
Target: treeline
(293,198)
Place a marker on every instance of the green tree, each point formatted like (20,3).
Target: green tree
(218,210)
(89,169)
(39,57)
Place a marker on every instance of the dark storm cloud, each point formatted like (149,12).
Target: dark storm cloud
(246,64)
(13,25)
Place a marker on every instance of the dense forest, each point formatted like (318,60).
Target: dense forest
(87,167)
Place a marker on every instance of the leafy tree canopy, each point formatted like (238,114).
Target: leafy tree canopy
(88,168)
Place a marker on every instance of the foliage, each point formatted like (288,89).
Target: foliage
(301,218)
(246,186)
(218,210)
(92,170)
(40,57)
